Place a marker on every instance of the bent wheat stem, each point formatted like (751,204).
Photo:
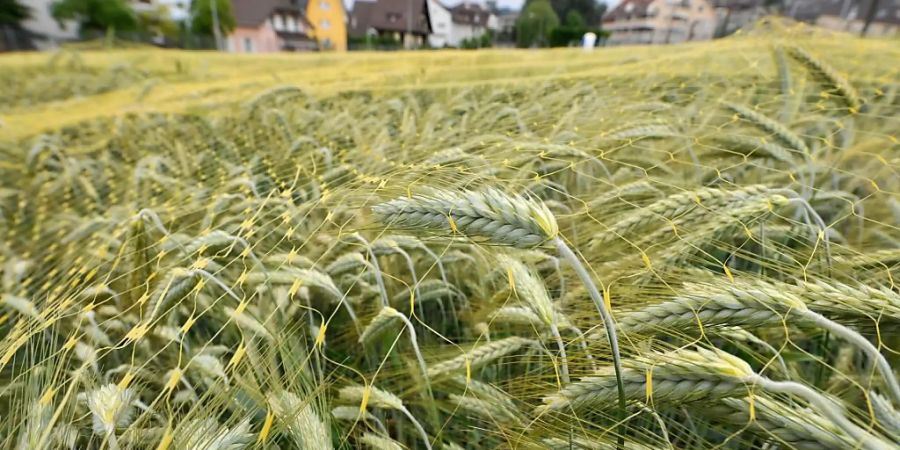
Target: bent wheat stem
(567,254)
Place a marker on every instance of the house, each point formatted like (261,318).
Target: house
(45,32)
(405,21)
(451,26)
(270,26)
(659,21)
(850,16)
(177,9)
(329,19)
(732,15)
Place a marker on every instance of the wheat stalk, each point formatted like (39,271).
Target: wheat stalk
(828,76)
(372,396)
(304,425)
(503,219)
(746,304)
(764,123)
(480,356)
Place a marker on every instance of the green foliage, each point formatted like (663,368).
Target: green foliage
(574,19)
(568,35)
(535,23)
(96,15)
(590,11)
(202,16)
(485,40)
(12,12)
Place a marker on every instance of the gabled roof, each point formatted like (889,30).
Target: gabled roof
(252,13)
(389,15)
(628,9)
(469,14)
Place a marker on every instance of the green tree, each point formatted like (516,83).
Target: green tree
(202,16)
(574,19)
(96,15)
(12,12)
(591,11)
(535,23)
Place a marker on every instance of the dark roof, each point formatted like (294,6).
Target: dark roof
(888,10)
(252,13)
(638,8)
(738,4)
(388,15)
(469,14)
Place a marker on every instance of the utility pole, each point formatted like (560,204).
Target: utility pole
(870,16)
(217,34)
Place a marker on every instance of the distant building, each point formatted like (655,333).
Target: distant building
(177,9)
(659,21)
(406,21)
(330,22)
(850,16)
(264,26)
(732,15)
(451,26)
(45,32)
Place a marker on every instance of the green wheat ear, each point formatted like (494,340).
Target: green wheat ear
(501,218)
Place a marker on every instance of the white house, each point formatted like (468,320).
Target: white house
(49,33)
(451,25)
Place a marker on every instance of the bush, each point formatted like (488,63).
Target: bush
(565,36)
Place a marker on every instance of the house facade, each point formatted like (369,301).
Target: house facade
(659,22)
(451,26)
(732,15)
(264,26)
(405,21)
(329,20)
(46,32)
(850,16)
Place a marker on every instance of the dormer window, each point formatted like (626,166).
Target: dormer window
(278,22)
(393,17)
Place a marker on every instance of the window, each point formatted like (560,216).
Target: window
(324,5)
(324,24)
(248,45)
(278,22)
(291,24)
(393,17)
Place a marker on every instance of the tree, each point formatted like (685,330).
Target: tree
(12,12)
(535,23)
(202,16)
(574,19)
(96,15)
(590,11)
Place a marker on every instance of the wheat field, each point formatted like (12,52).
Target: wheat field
(679,247)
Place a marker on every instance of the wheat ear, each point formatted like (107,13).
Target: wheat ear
(763,122)
(480,356)
(377,398)
(757,303)
(503,219)
(303,423)
(677,377)
(491,214)
(828,76)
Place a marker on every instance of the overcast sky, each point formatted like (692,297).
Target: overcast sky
(515,4)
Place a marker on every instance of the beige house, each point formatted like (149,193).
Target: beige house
(850,15)
(659,22)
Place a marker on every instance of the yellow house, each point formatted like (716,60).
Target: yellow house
(328,18)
